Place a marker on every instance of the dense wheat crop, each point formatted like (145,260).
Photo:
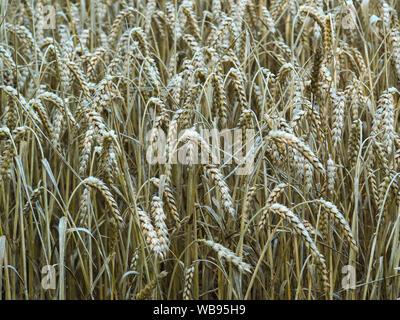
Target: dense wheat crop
(110,188)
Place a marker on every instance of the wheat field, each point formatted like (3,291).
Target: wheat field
(104,105)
